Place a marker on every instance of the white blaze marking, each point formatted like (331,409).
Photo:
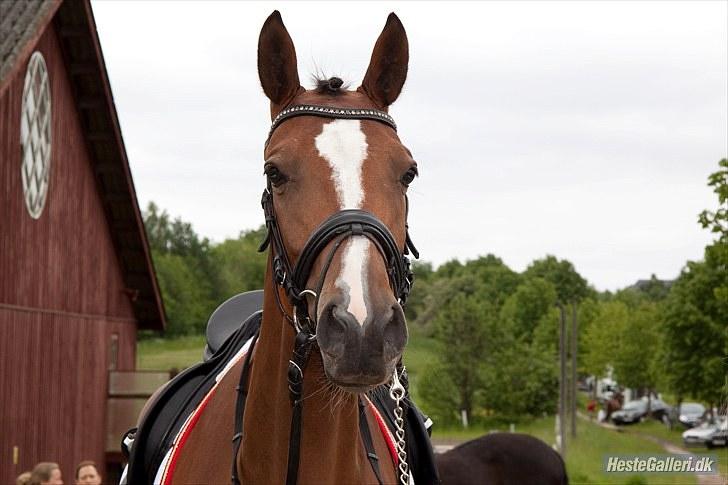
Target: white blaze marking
(353,276)
(343,145)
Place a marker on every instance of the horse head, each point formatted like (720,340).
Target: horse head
(320,168)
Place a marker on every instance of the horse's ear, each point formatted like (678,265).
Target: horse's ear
(277,65)
(387,70)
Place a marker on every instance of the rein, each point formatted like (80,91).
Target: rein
(334,230)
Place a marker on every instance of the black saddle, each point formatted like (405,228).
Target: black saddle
(228,318)
(176,401)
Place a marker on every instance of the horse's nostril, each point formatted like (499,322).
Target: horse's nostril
(334,329)
(395,333)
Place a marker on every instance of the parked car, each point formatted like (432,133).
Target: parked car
(635,411)
(720,437)
(691,414)
(708,433)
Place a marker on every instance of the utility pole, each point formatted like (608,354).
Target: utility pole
(562,382)
(574,334)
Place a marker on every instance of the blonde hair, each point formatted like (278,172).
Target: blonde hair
(23,479)
(42,472)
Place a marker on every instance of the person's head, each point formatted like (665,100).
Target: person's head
(87,474)
(23,479)
(46,473)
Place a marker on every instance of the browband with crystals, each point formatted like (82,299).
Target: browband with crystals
(330,112)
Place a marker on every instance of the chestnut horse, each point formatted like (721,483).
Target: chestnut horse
(320,166)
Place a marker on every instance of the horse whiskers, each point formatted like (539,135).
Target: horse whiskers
(337,397)
(324,386)
(342,397)
(334,397)
(316,392)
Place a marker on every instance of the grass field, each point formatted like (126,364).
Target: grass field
(659,430)
(584,454)
(165,354)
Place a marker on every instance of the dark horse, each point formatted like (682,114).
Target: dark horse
(502,459)
(297,407)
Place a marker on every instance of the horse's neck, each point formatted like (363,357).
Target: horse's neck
(331,448)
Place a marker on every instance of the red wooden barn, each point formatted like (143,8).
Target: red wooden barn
(76,276)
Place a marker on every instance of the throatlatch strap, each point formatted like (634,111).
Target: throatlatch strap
(240,410)
(366,437)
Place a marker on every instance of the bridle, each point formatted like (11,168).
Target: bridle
(292,279)
(338,227)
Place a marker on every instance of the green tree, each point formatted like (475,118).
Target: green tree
(466,330)
(185,271)
(635,359)
(717,221)
(521,379)
(524,309)
(695,339)
(184,298)
(158,227)
(570,286)
(695,333)
(439,396)
(497,280)
(238,264)
(601,339)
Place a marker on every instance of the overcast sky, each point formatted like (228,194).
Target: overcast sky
(582,130)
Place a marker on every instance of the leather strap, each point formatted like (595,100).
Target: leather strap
(240,409)
(296,366)
(366,438)
(330,112)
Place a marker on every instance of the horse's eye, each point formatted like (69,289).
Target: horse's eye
(409,176)
(275,176)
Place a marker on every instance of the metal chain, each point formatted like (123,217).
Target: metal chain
(397,392)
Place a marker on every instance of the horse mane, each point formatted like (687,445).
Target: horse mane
(332,86)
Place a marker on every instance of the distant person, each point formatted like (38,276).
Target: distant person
(87,474)
(46,473)
(591,407)
(23,479)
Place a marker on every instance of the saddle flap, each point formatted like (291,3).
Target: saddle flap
(176,401)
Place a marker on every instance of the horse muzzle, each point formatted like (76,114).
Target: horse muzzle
(360,356)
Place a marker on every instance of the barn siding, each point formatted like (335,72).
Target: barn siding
(54,389)
(61,294)
(66,259)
